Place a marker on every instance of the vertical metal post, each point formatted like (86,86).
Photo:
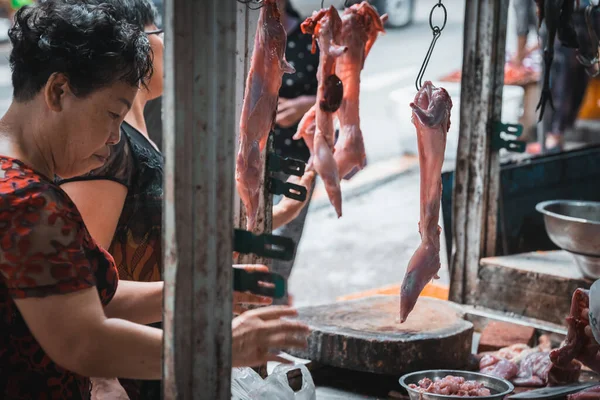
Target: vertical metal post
(247,20)
(198,145)
(476,182)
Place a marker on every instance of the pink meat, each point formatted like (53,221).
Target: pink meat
(326,28)
(577,345)
(528,367)
(431,116)
(260,105)
(533,370)
(500,368)
(592,393)
(452,386)
(306,130)
(361,26)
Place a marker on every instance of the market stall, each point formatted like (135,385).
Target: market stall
(358,349)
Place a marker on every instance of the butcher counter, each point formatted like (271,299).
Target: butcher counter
(347,372)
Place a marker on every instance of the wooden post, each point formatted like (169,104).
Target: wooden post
(476,182)
(247,20)
(198,145)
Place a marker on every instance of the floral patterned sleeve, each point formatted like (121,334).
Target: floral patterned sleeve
(44,245)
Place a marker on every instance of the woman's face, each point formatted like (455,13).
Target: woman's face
(84,127)
(155,86)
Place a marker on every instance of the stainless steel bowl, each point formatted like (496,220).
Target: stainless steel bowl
(499,387)
(574,226)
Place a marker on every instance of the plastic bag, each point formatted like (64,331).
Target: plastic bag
(246,384)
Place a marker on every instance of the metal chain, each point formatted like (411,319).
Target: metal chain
(437,31)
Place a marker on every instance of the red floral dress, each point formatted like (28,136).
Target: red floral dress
(45,250)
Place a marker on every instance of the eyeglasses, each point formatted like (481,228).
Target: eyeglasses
(160,32)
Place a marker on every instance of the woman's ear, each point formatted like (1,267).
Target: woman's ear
(57,87)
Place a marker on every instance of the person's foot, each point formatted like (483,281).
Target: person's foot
(554,142)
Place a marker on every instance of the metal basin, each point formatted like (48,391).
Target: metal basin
(574,226)
(498,387)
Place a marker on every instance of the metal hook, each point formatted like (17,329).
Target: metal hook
(259,4)
(437,31)
(322,4)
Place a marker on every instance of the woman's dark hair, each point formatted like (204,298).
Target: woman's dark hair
(90,44)
(137,12)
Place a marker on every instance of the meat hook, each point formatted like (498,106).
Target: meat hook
(437,31)
(248,3)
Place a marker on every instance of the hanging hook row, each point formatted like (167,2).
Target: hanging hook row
(437,31)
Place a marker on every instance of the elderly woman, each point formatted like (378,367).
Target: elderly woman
(63,314)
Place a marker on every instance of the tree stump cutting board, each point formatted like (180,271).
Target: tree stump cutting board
(366,335)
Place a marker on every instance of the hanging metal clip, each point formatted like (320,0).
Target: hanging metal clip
(265,245)
(505,137)
(286,165)
(289,190)
(268,284)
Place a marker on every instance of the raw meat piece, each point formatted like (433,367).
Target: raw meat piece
(452,386)
(500,368)
(326,27)
(488,360)
(526,366)
(533,370)
(361,26)
(306,130)
(431,116)
(577,345)
(260,105)
(564,375)
(592,393)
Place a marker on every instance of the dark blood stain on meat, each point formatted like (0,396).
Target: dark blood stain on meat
(334,92)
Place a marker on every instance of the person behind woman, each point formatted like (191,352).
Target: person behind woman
(296,96)
(568,82)
(64,316)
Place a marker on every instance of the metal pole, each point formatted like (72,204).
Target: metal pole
(198,143)
(476,183)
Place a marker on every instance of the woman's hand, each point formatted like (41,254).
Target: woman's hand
(288,209)
(242,299)
(108,389)
(590,353)
(258,334)
(291,111)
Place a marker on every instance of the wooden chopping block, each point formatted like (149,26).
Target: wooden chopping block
(499,334)
(366,335)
